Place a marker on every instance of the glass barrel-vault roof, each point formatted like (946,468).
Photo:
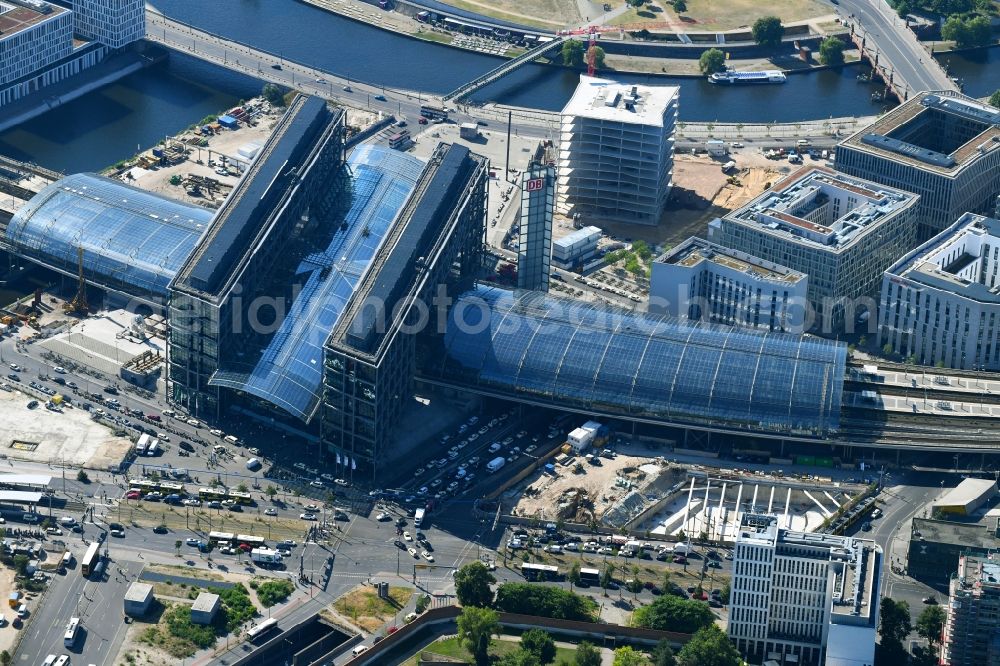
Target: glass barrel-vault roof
(599,358)
(289,372)
(133,241)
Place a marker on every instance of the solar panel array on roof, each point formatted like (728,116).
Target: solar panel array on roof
(598,358)
(427,218)
(251,203)
(133,241)
(289,371)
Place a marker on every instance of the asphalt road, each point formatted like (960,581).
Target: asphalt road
(898,45)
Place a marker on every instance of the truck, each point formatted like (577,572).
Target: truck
(265,557)
(141,444)
(418,517)
(496,463)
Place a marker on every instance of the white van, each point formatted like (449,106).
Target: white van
(359,649)
(802,143)
(682,549)
(67,558)
(49,660)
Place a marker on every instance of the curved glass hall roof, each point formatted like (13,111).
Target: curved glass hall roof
(133,241)
(598,358)
(289,372)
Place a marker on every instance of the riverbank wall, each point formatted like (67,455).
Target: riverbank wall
(108,71)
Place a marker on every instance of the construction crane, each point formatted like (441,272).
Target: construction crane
(592,51)
(79,304)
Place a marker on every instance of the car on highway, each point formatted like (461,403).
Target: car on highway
(186,446)
(347,89)
(54,531)
(216,432)
(117,529)
(191,501)
(423,121)
(32,404)
(214,504)
(340,482)
(288,543)
(323,81)
(13,377)
(316,484)
(191,541)
(276,66)
(61,370)
(160,529)
(427,556)
(15,367)
(311,508)
(307,516)
(380,98)
(133,494)
(270,511)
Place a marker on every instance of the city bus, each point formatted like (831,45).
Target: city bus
(261,629)
(90,560)
(539,571)
(166,487)
(250,540)
(239,497)
(225,538)
(590,576)
(400,141)
(433,112)
(69,638)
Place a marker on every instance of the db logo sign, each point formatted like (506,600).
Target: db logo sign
(535,184)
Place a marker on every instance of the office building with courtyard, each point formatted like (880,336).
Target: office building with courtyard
(840,231)
(940,303)
(943,146)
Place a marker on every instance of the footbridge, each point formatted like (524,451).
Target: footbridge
(506,68)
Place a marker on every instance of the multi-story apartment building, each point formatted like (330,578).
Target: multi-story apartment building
(971,634)
(941,302)
(805,598)
(841,231)
(703,281)
(943,146)
(42,43)
(534,251)
(616,151)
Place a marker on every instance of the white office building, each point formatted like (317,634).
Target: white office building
(576,249)
(114,23)
(32,38)
(941,302)
(42,43)
(943,146)
(616,151)
(700,280)
(803,598)
(841,231)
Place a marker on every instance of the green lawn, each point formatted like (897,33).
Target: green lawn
(450,647)
(730,14)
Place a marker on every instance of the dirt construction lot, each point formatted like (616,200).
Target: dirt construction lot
(41,435)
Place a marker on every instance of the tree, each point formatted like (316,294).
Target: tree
(21,565)
(636,3)
(930,623)
(667,581)
(472,585)
(82,477)
(709,647)
(177,547)
(626,656)
(553,602)
(995,99)
(520,657)
(967,33)
(242,488)
(724,594)
(572,52)
(768,31)
(663,654)
(680,6)
(980,31)
(894,624)
(271,491)
(597,53)
(712,61)
(903,8)
(831,51)
(670,613)
(540,644)
(272,94)
(607,577)
(5,658)
(587,655)
(476,628)
(574,575)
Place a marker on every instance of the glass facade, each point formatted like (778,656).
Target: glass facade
(534,252)
(132,241)
(598,358)
(289,372)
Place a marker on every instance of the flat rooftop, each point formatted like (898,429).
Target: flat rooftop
(975,573)
(934,265)
(971,534)
(18,18)
(699,252)
(251,204)
(912,133)
(603,99)
(823,208)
